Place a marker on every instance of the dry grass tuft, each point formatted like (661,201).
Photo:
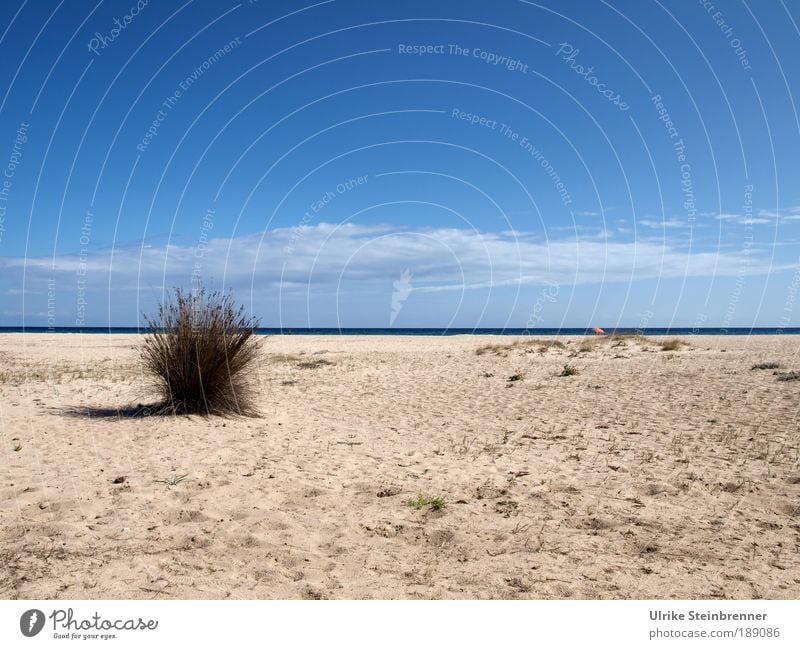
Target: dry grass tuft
(200,352)
(671,345)
(766,366)
(528,345)
(547,344)
(312,364)
(622,340)
(494,348)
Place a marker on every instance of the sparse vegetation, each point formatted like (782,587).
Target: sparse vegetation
(61,373)
(492,348)
(313,364)
(544,345)
(767,366)
(174,480)
(528,345)
(569,370)
(622,340)
(514,377)
(200,352)
(789,376)
(435,503)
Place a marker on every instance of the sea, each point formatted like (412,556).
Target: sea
(335,331)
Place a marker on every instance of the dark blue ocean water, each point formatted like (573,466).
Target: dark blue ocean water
(650,331)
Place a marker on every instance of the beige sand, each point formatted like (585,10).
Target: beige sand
(648,474)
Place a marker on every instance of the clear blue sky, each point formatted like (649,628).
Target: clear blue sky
(409,163)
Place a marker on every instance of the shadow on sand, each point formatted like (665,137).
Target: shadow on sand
(138,411)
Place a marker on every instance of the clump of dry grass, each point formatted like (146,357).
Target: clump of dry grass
(499,349)
(495,348)
(671,345)
(622,340)
(547,344)
(200,353)
(314,363)
(767,366)
(789,376)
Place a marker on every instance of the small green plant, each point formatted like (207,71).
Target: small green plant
(435,503)
(569,370)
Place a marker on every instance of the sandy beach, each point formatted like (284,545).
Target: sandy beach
(645,474)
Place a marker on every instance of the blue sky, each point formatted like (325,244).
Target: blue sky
(432,164)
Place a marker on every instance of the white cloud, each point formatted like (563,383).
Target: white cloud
(666,223)
(764,217)
(328,255)
(602,212)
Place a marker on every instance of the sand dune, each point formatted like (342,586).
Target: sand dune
(646,474)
